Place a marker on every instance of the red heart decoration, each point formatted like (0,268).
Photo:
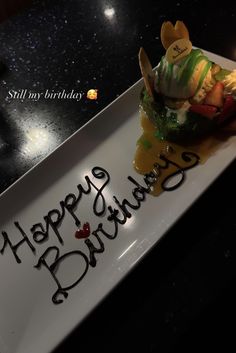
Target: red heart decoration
(84,232)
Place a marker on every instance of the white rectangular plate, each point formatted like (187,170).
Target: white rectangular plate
(29,320)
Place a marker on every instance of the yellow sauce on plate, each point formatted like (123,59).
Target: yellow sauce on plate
(150,148)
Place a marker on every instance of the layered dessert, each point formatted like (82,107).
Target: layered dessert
(187,102)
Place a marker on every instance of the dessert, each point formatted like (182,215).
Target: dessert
(187,103)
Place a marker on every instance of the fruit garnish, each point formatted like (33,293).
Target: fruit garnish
(170,33)
(216,95)
(147,73)
(205,110)
(229,108)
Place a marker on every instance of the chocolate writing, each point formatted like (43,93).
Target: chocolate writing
(115,215)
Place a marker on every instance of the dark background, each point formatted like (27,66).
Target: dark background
(181,297)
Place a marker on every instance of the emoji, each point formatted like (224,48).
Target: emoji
(92,94)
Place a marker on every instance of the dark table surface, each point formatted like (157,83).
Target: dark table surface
(181,297)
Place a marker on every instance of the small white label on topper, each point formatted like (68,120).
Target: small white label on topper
(178,50)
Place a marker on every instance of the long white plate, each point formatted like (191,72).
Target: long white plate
(29,320)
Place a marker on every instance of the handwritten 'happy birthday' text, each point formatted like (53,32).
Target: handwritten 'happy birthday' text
(116,215)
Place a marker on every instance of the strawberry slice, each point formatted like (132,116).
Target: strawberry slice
(216,95)
(229,108)
(208,111)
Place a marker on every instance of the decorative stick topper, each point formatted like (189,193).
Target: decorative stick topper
(175,39)
(146,70)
